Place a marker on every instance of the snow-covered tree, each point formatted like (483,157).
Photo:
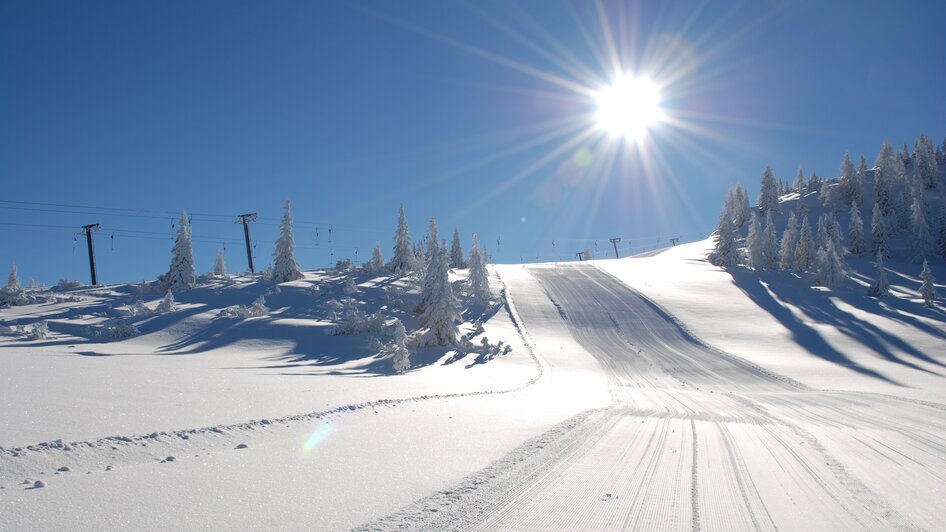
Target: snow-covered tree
(856,230)
(884,175)
(770,254)
(799,184)
(926,169)
(879,287)
(433,238)
(13,280)
(400,355)
(941,236)
(829,196)
(788,243)
(456,251)
(879,235)
(860,180)
(350,288)
(814,182)
(168,304)
(804,250)
(182,274)
(439,304)
(847,180)
(831,269)
(754,243)
(285,268)
(479,278)
(220,264)
(376,264)
(741,209)
(768,193)
(928,288)
(403,249)
(922,243)
(726,253)
(12,294)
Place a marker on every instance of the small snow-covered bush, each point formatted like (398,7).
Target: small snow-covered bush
(39,331)
(344,265)
(68,284)
(114,329)
(167,304)
(257,310)
(357,321)
(138,308)
(350,288)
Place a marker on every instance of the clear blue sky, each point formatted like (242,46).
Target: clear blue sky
(465,111)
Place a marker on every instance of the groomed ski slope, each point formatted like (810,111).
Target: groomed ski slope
(694,438)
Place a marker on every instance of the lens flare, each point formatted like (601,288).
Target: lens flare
(323,430)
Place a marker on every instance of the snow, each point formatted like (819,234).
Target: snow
(650,392)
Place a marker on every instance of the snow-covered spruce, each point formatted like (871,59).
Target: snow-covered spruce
(433,237)
(39,330)
(439,315)
(928,286)
(726,252)
(220,264)
(769,244)
(182,274)
(456,251)
(403,249)
(376,264)
(788,243)
(397,348)
(257,310)
(804,250)
(831,268)
(768,193)
(168,304)
(878,232)
(856,231)
(880,287)
(921,241)
(12,294)
(285,268)
(479,278)
(754,243)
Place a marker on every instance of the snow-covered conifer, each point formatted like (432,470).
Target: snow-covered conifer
(829,196)
(926,169)
(13,280)
(800,182)
(433,238)
(846,181)
(12,294)
(788,243)
(928,288)
(860,180)
(168,304)
(922,243)
(439,305)
(769,244)
(768,194)
(879,287)
(726,253)
(220,264)
(403,249)
(831,268)
(879,235)
(884,175)
(754,243)
(182,274)
(814,182)
(376,264)
(856,230)
(741,209)
(479,278)
(400,355)
(804,250)
(456,251)
(285,268)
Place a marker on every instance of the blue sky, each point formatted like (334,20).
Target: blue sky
(130,111)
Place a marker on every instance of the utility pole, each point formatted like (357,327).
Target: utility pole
(580,255)
(87,230)
(245,219)
(615,242)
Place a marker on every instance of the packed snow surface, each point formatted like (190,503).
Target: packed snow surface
(647,393)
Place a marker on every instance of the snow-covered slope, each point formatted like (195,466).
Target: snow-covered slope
(656,392)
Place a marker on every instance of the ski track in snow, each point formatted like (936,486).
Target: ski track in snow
(105,454)
(695,439)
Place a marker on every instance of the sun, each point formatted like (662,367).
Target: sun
(629,107)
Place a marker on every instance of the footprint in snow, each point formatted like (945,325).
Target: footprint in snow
(64,469)
(37,485)
(241,446)
(168,459)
